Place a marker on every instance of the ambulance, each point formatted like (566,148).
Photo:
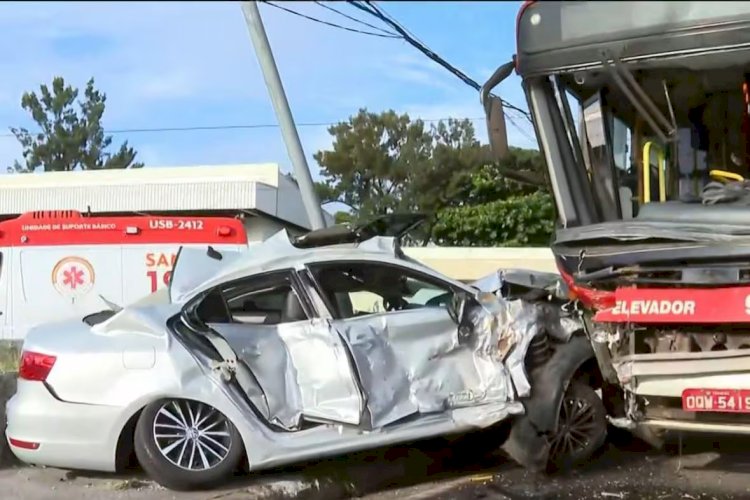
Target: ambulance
(60,264)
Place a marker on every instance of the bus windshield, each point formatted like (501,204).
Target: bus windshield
(639,134)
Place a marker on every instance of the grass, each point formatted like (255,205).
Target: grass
(10,353)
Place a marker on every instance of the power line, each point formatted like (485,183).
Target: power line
(520,129)
(243,126)
(378,10)
(356,20)
(334,25)
(374,10)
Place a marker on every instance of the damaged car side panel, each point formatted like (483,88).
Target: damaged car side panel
(416,360)
(428,368)
(302,368)
(300,364)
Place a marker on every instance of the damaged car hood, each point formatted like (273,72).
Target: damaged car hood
(506,282)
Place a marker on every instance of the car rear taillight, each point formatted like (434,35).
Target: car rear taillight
(25,445)
(35,366)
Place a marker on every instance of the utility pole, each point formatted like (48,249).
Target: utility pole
(283,113)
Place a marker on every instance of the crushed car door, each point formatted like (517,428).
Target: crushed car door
(299,362)
(405,343)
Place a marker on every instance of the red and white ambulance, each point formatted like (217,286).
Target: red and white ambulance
(59,264)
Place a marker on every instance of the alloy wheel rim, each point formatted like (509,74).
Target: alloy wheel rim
(576,428)
(192,435)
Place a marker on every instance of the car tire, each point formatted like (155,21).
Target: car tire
(186,445)
(581,428)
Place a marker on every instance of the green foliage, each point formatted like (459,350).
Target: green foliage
(326,194)
(387,163)
(526,220)
(383,163)
(69,139)
(10,355)
(342,217)
(490,181)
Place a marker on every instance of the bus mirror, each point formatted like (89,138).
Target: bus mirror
(494,113)
(496,127)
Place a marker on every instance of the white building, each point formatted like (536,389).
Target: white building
(267,199)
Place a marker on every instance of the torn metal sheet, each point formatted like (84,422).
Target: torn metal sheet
(302,368)
(324,374)
(265,354)
(445,372)
(498,281)
(416,362)
(516,324)
(384,380)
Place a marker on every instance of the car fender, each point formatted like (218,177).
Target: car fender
(527,442)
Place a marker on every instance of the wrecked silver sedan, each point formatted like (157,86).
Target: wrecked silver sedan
(301,348)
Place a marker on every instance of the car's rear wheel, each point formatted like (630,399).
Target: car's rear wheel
(581,428)
(186,445)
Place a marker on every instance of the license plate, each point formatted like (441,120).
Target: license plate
(716,400)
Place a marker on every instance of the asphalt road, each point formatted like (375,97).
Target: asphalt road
(707,468)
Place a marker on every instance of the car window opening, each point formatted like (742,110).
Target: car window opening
(268,300)
(360,289)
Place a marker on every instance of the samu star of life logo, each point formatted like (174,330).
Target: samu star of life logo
(73,276)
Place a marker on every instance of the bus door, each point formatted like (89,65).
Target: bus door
(606,148)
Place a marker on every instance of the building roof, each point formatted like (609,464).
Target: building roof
(260,187)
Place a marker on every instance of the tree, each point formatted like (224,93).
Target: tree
(68,139)
(385,163)
(499,210)
(526,220)
(372,161)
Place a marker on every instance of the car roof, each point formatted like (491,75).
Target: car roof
(276,253)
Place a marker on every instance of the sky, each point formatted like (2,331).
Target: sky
(187,64)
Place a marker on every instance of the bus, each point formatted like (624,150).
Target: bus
(642,114)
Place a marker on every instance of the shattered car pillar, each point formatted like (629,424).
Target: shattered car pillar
(551,352)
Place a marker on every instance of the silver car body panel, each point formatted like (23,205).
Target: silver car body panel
(366,381)
(302,369)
